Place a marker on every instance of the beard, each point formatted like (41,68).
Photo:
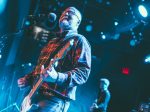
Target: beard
(65,25)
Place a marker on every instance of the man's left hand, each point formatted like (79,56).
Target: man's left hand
(50,75)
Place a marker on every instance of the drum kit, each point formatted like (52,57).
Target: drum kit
(144,107)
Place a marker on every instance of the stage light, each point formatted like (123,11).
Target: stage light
(27,23)
(116,23)
(89,28)
(133,42)
(125,71)
(116,36)
(140,34)
(143,11)
(103,36)
(108,3)
(22,65)
(2,5)
(101,33)
(0,56)
(29,64)
(147,59)
(132,33)
(99,1)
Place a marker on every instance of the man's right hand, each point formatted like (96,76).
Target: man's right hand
(94,106)
(22,82)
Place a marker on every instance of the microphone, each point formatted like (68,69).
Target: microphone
(49,22)
(52,17)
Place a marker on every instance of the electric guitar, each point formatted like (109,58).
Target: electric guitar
(26,104)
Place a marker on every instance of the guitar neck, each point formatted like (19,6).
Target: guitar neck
(35,87)
(61,54)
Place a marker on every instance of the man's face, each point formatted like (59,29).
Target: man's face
(69,19)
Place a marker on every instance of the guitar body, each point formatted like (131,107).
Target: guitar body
(26,104)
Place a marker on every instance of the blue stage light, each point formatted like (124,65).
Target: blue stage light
(27,23)
(0,56)
(133,42)
(89,28)
(147,59)
(29,64)
(143,11)
(116,23)
(103,37)
(2,5)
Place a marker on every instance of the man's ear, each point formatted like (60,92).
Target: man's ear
(78,23)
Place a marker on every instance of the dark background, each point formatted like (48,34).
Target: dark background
(109,57)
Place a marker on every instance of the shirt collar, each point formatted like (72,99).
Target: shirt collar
(67,33)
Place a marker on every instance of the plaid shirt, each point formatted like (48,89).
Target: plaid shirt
(74,68)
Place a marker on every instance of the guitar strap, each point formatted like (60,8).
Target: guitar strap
(54,53)
(62,42)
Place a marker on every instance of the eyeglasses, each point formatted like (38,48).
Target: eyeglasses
(72,13)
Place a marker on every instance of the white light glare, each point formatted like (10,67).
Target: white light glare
(147,59)
(116,23)
(143,11)
(37,29)
(103,37)
(29,64)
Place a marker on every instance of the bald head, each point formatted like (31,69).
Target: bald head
(76,12)
(70,19)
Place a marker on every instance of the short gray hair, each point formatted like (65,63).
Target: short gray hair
(78,13)
(106,81)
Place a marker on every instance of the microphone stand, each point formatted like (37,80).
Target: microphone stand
(11,105)
(12,34)
(20,31)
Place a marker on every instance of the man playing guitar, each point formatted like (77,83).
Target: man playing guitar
(59,70)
